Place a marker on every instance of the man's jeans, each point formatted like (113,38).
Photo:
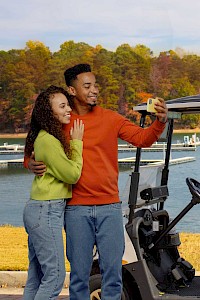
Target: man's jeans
(101,225)
(43,221)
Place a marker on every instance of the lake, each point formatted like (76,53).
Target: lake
(15,185)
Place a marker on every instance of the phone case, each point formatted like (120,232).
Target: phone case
(150,105)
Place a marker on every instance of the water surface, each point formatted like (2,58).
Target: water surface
(15,186)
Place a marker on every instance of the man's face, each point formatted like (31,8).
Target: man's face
(85,89)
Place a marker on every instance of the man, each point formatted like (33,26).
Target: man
(93,216)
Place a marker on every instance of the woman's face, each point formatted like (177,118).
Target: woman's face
(61,108)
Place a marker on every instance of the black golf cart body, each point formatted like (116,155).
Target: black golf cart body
(152,267)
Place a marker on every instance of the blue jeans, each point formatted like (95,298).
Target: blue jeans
(43,221)
(86,226)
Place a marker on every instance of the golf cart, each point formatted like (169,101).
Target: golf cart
(152,267)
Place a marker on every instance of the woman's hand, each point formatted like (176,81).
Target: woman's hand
(77,130)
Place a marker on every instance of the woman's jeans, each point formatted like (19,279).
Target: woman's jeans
(43,221)
(101,225)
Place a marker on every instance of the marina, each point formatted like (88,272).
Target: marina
(157,148)
(129,161)
(11,147)
(15,183)
(11,163)
(188,144)
(6,152)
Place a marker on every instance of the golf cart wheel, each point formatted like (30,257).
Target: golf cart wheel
(95,289)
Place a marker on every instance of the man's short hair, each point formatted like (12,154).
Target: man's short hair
(71,73)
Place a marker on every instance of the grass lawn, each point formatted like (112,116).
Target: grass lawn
(14,252)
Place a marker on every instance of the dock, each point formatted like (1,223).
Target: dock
(8,152)
(11,149)
(156,147)
(160,147)
(11,163)
(130,161)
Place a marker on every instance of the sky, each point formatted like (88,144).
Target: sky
(161,25)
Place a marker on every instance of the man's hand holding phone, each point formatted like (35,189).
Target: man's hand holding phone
(151,104)
(158,107)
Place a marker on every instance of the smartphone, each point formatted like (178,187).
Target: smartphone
(150,104)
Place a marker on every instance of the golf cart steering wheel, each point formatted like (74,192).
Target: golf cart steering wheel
(194,187)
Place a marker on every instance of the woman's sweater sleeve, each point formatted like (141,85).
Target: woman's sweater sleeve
(58,164)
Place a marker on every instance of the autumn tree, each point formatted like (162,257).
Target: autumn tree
(103,66)
(126,77)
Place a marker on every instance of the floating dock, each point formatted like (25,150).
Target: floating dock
(11,149)
(11,163)
(156,147)
(8,152)
(130,161)
(159,147)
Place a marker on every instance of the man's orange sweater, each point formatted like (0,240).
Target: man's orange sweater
(99,179)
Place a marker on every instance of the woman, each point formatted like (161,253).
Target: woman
(44,212)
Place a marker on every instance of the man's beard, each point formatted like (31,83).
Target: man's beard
(92,105)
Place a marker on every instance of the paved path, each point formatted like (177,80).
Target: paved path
(16,294)
(19,297)
(12,282)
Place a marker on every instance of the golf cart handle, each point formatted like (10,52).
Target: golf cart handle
(194,187)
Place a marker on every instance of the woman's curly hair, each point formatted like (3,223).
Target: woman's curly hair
(43,118)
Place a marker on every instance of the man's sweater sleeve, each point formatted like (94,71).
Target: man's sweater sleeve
(26,160)
(138,136)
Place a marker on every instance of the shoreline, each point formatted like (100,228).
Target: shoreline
(196,130)
(12,135)
(23,135)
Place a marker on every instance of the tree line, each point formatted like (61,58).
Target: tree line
(127,76)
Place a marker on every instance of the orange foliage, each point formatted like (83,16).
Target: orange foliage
(143,97)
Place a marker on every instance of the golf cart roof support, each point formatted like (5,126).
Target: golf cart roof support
(135,176)
(165,171)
